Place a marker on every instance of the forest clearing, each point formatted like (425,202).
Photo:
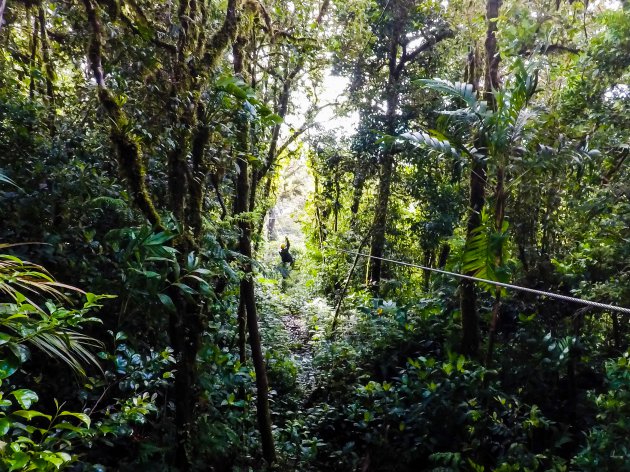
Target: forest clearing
(314,235)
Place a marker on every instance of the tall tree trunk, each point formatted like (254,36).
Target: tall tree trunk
(34,47)
(266,194)
(185,327)
(197,184)
(468,299)
(429,259)
(186,321)
(247,294)
(128,151)
(499,215)
(49,72)
(445,250)
(379,225)
(360,175)
(337,203)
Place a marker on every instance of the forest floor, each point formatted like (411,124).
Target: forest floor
(297,329)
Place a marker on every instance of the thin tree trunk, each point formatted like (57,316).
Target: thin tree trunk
(247,282)
(33,58)
(318,217)
(185,328)
(242,330)
(48,66)
(197,184)
(616,331)
(347,282)
(429,257)
(468,298)
(359,182)
(444,253)
(499,215)
(265,199)
(337,204)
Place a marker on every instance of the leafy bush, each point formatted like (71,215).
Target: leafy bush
(607,444)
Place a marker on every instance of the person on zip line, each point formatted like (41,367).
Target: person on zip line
(285,255)
(286,258)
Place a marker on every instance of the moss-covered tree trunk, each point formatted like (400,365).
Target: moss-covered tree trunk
(186,320)
(379,223)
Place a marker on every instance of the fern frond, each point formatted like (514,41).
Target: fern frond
(108,202)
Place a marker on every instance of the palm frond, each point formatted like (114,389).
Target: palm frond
(29,322)
(68,346)
(439,144)
(17,275)
(461,90)
(483,249)
(6,180)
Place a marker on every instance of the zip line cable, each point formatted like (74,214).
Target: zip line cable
(558,296)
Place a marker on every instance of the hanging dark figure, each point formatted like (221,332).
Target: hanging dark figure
(286,258)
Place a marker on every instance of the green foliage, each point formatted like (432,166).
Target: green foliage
(607,446)
(388,390)
(33,440)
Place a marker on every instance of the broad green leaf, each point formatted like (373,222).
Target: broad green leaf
(461,90)
(185,288)
(5,425)
(81,416)
(18,460)
(158,239)
(30,414)
(25,397)
(167,302)
(8,366)
(5,338)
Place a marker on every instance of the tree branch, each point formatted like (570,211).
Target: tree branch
(129,154)
(226,34)
(154,39)
(550,49)
(428,44)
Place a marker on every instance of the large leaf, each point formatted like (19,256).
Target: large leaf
(81,416)
(167,302)
(25,397)
(8,366)
(30,414)
(5,425)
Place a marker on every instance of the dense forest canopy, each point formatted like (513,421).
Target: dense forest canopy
(222,220)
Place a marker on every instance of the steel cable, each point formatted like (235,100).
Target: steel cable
(558,296)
